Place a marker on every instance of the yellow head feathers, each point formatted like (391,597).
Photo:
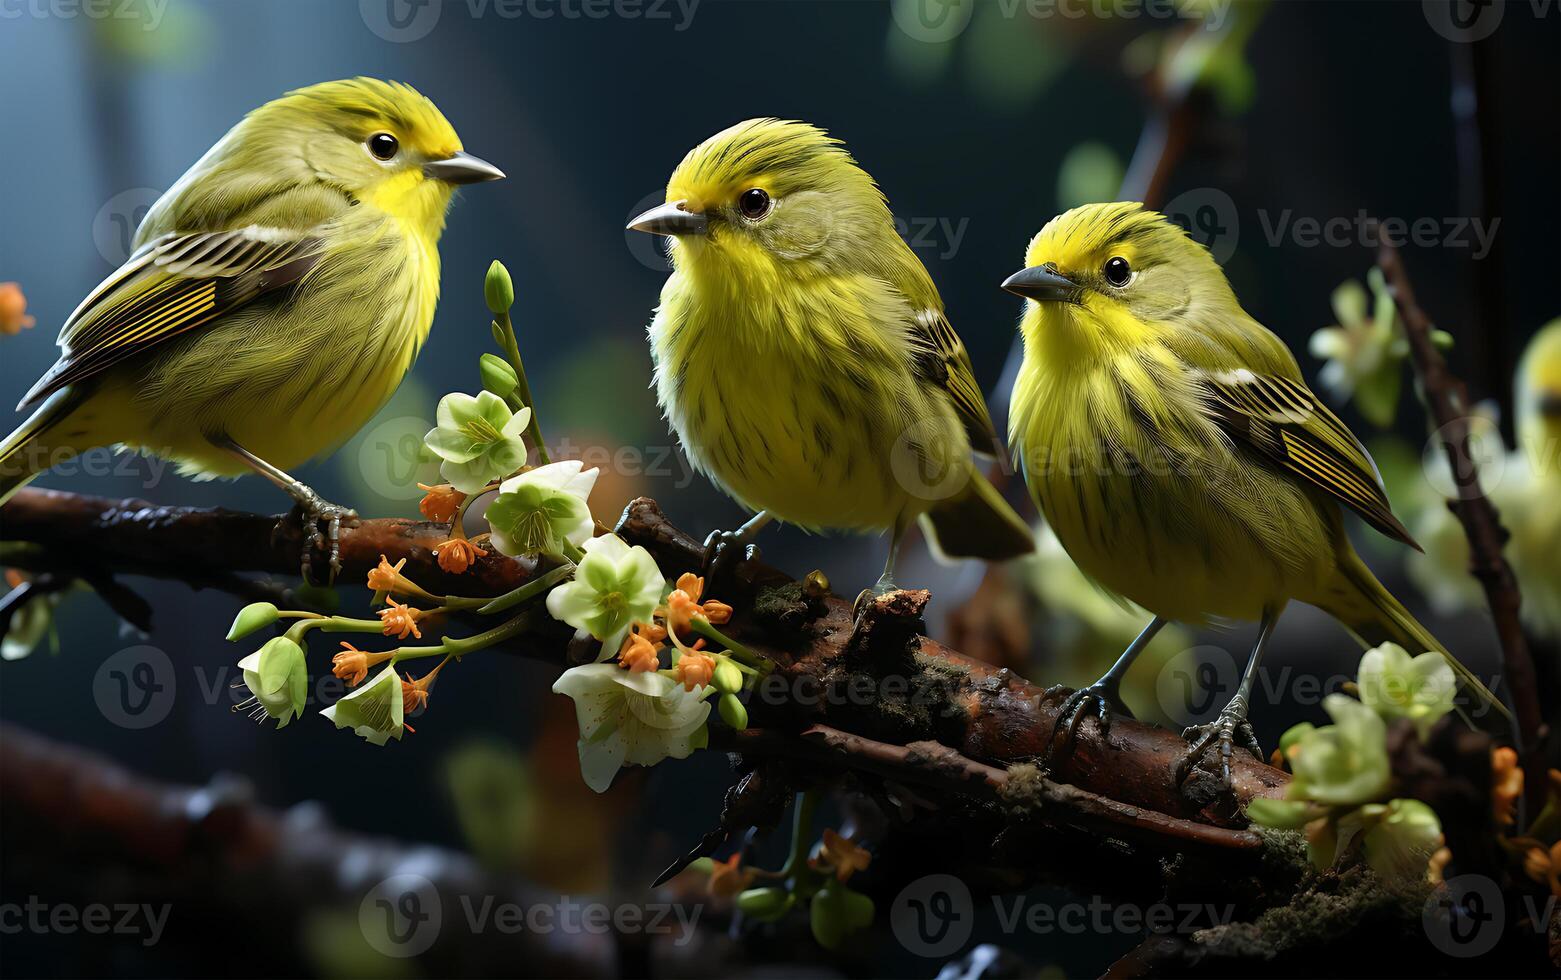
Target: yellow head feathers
(1080,242)
(769,195)
(1107,277)
(778,156)
(303,156)
(360,107)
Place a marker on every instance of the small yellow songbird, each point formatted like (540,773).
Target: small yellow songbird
(277,295)
(1171,443)
(803,355)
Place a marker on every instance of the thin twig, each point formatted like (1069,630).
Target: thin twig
(1447,400)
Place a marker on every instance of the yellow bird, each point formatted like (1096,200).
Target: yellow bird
(803,354)
(277,295)
(1171,443)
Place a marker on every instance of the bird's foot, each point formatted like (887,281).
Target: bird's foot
(1230,727)
(724,551)
(882,587)
(1076,708)
(322,522)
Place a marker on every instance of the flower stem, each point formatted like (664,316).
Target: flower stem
(333,624)
(735,650)
(458,522)
(506,333)
(530,590)
(801,832)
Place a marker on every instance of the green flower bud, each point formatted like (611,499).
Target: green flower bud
(497,375)
(733,712)
(252,617)
(498,289)
(837,912)
(727,678)
(765,904)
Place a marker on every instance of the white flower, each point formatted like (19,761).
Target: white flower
(1400,837)
(1363,352)
(614,587)
(278,678)
(631,718)
(1396,685)
(478,439)
(374,710)
(540,509)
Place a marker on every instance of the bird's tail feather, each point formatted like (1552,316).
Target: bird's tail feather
(977,523)
(23,454)
(1374,615)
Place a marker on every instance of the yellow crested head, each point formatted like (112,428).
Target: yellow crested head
(1104,277)
(383,143)
(768,193)
(1539,399)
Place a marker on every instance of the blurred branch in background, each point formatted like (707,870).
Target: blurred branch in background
(1447,401)
(301,891)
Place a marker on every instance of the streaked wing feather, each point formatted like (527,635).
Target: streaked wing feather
(943,361)
(1284,421)
(171,286)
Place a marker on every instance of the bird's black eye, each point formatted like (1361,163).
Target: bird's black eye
(754,203)
(384,146)
(1117,271)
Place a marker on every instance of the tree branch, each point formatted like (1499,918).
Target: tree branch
(888,692)
(1447,399)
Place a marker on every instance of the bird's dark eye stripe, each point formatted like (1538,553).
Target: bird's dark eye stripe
(383,145)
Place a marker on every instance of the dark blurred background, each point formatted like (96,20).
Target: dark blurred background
(977,140)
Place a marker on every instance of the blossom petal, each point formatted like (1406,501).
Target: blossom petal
(601,760)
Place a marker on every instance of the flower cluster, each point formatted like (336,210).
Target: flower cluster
(482,441)
(1342,790)
(634,711)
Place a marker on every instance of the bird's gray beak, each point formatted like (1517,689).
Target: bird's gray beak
(672,218)
(1550,405)
(1042,283)
(463,168)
